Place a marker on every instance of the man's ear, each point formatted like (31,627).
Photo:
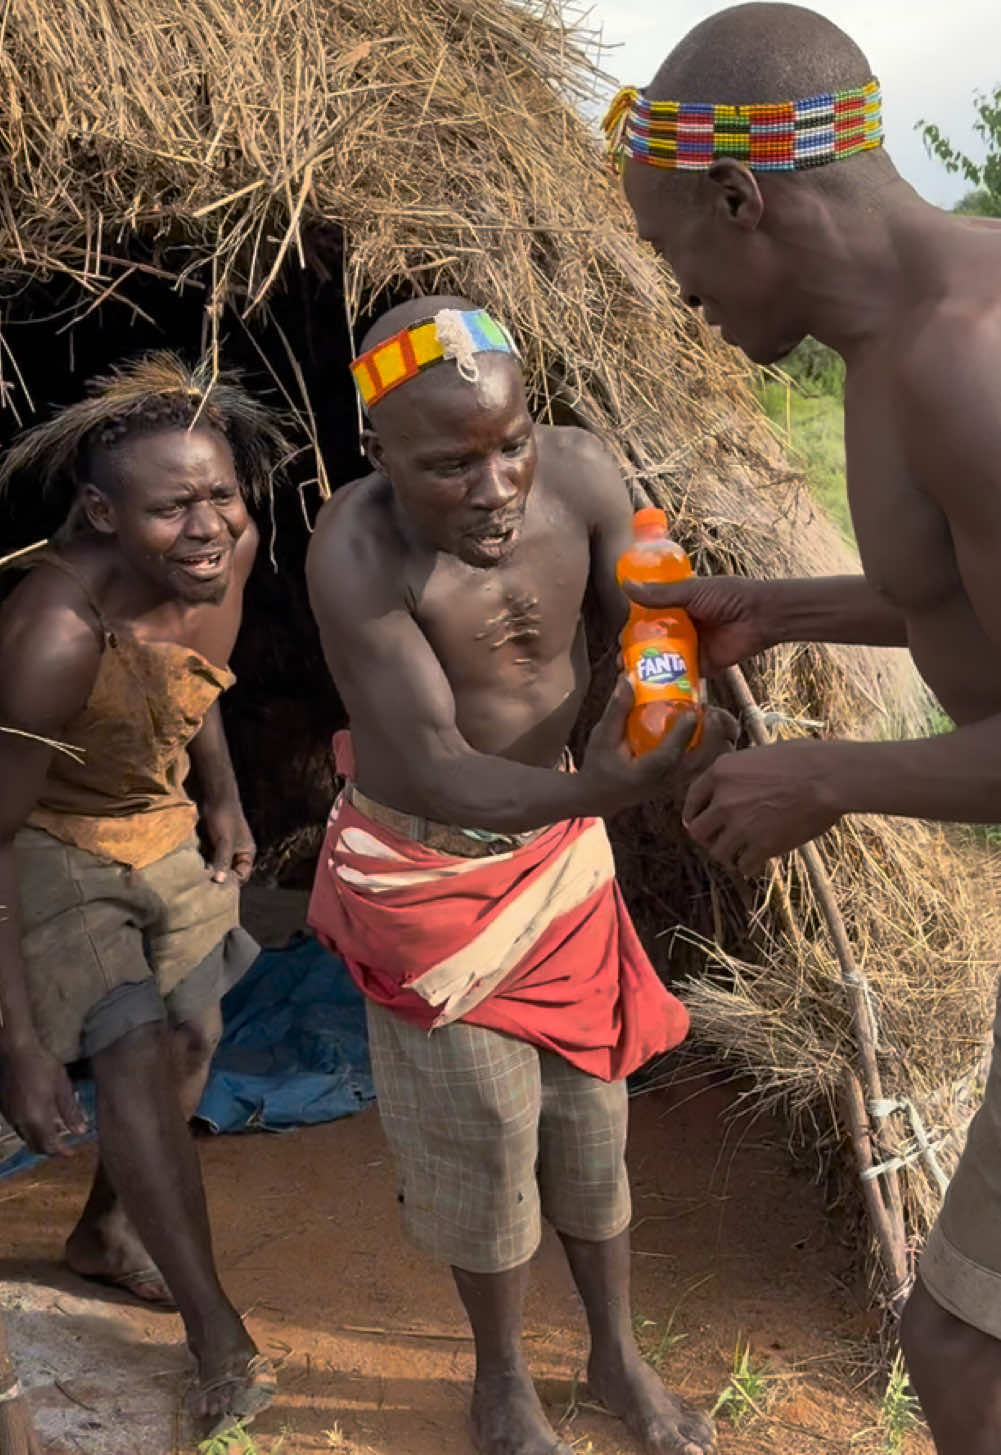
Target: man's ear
(739,193)
(372,445)
(98,510)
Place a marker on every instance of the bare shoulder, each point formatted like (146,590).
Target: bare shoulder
(580,467)
(944,383)
(356,543)
(50,650)
(950,350)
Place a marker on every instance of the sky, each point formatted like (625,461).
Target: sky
(930,56)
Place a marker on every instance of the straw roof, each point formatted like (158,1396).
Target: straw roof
(422,145)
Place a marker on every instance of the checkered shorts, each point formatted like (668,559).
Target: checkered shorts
(491,1135)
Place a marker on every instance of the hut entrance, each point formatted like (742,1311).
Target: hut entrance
(284,708)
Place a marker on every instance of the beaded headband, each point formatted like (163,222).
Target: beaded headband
(450,334)
(785,136)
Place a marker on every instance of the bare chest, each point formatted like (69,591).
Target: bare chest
(512,621)
(903,535)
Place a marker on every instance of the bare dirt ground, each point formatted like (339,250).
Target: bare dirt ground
(374,1356)
(732,1249)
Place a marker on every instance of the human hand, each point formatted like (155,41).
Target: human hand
(729,613)
(720,731)
(753,806)
(37,1098)
(230,841)
(620,779)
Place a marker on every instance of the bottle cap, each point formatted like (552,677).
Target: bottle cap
(650,520)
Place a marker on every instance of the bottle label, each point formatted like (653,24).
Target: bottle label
(658,671)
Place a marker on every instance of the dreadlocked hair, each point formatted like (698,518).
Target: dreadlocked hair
(146,395)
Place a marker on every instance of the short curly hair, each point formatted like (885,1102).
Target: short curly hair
(153,393)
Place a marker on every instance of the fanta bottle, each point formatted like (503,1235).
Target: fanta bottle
(660,649)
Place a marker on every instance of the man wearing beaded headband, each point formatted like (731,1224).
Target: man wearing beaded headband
(466,875)
(772,247)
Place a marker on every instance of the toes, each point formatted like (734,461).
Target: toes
(700,1433)
(149,1290)
(236,1397)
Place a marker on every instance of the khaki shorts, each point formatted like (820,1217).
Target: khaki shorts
(961,1266)
(491,1135)
(108,949)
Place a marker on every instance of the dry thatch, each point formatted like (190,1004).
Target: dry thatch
(436,144)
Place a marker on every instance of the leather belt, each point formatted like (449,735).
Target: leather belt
(443,838)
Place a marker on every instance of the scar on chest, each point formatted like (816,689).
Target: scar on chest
(519,620)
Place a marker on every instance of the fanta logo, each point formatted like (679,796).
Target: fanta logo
(655,668)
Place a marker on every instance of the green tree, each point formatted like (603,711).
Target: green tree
(979,203)
(985,177)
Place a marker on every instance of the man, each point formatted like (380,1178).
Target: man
(773,245)
(466,877)
(119,939)
(16,1434)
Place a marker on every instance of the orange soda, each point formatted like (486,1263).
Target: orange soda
(660,649)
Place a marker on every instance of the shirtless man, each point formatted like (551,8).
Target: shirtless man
(911,299)
(119,939)
(466,879)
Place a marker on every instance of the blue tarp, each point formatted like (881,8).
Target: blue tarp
(294,1049)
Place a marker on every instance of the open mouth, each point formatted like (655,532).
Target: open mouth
(206,564)
(496,542)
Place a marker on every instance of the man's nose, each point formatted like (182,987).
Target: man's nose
(495,487)
(203,522)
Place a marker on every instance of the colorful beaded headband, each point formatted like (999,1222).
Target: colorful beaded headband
(786,136)
(450,334)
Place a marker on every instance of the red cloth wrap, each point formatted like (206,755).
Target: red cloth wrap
(546,922)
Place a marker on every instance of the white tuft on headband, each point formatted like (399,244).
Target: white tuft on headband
(457,342)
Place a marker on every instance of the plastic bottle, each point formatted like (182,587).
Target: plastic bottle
(660,649)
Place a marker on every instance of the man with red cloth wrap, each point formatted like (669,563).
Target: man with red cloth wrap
(466,876)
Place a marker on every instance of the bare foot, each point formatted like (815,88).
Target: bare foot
(113,1255)
(662,1422)
(508,1418)
(232,1391)
(16,1434)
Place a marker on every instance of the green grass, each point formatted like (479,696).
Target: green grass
(749,1390)
(900,1412)
(813,426)
(656,1342)
(237,1441)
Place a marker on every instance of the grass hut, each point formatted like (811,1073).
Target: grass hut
(249,181)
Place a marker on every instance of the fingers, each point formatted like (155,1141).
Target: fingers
(222,860)
(43,1136)
(722,724)
(710,828)
(659,593)
(751,863)
(243,863)
(670,751)
(697,800)
(719,735)
(610,730)
(69,1107)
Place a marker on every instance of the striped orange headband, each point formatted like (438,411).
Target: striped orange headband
(786,136)
(451,333)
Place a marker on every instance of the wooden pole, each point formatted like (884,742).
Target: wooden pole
(882,1195)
